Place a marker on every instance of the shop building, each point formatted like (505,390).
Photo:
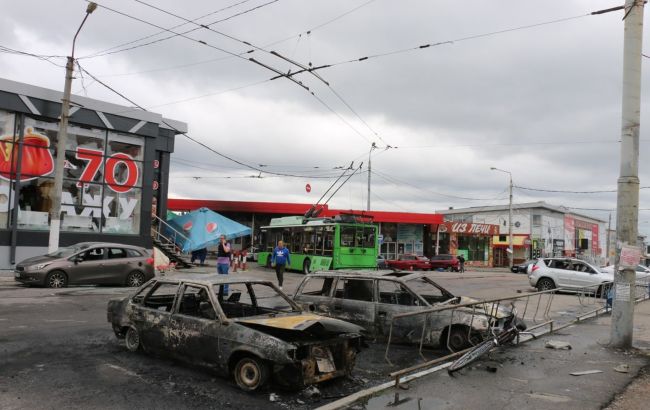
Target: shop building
(472,240)
(400,232)
(115,173)
(539,229)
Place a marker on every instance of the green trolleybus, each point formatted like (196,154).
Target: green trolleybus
(322,243)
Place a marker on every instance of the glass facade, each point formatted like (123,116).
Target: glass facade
(102,185)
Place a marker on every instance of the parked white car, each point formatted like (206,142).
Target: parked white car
(569,273)
(641,271)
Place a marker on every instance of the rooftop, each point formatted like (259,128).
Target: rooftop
(527,205)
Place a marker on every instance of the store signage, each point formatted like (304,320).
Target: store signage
(94,160)
(37,159)
(93,205)
(469,228)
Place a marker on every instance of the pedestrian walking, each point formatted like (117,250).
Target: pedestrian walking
(461,263)
(223,259)
(280,258)
(244,256)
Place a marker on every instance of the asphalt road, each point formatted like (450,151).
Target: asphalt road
(57,350)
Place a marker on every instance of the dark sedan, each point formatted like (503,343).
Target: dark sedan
(88,263)
(522,267)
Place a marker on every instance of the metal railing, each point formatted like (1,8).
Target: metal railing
(536,308)
(171,238)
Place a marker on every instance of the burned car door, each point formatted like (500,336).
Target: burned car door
(394,298)
(314,294)
(353,301)
(152,318)
(194,328)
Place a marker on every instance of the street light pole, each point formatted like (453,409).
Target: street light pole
(627,205)
(511,256)
(55,210)
(373,146)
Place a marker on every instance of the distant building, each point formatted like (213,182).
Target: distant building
(539,229)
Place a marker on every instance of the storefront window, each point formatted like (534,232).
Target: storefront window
(102,188)
(7,161)
(474,246)
(35,199)
(124,212)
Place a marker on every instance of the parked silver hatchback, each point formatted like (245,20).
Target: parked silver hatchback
(88,263)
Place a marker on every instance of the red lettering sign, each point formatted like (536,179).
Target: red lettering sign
(466,228)
(94,158)
(130,168)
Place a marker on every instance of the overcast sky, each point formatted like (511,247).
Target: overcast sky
(542,102)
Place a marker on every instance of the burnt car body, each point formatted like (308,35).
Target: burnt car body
(237,326)
(371,299)
(88,263)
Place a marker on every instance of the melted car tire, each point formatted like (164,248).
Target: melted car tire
(135,279)
(251,373)
(56,279)
(132,339)
(545,284)
(458,339)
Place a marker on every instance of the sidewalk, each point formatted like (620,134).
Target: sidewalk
(531,376)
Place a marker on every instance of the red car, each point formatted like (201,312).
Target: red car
(446,262)
(409,262)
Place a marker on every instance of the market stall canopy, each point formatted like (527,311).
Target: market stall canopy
(202,228)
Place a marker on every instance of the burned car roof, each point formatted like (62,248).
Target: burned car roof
(212,279)
(397,275)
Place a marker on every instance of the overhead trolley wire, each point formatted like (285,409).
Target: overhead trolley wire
(117,49)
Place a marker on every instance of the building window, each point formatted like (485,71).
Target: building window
(7,165)
(537,220)
(474,246)
(102,185)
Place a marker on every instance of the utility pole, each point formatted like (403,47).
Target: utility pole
(510,244)
(609,228)
(627,205)
(62,137)
(373,146)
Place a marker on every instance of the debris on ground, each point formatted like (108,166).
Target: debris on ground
(274,397)
(491,369)
(586,372)
(557,345)
(622,368)
(311,392)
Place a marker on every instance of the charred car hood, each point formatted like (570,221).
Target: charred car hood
(300,324)
(503,311)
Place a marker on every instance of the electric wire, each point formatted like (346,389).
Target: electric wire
(117,49)
(571,191)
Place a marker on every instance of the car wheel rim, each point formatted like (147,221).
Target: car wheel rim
(456,342)
(57,280)
(546,285)
(135,280)
(132,339)
(249,375)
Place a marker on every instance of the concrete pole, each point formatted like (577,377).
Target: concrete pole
(55,211)
(627,206)
(512,255)
(62,137)
(373,146)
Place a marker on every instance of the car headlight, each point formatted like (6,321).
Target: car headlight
(40,266)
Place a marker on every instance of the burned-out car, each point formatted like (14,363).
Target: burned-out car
(242,327)
(371,299)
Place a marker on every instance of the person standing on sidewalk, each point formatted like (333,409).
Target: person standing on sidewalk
(461,263)
(223,259)
(280,258)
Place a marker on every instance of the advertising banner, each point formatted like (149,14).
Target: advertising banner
(569,233)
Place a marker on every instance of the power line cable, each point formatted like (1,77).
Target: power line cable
(570,191)
(120,48)
(299,35)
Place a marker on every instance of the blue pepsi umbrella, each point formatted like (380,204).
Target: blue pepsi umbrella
(203,227)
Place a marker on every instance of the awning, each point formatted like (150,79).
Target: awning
(518,241)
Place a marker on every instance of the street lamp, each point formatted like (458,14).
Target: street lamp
(510,247)
(55,210)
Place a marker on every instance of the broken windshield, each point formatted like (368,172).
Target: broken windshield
(252,299)
(431,292)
